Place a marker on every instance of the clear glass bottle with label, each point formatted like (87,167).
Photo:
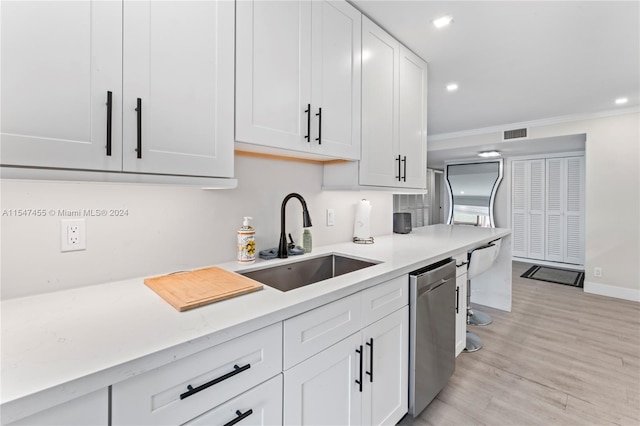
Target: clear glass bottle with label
(306,241)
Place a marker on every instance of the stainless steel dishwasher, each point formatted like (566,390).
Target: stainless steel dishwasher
(432,332)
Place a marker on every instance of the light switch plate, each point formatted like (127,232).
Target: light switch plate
(331,217)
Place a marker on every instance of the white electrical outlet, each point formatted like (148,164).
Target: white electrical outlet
(597,272)
(73,235)
(331,217)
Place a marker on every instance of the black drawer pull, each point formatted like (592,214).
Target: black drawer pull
(319,115)
(109,115)
(241,417)
(370,373)
(457,299)
(236,370)
(359,382)
(404,160)
(308,112)
(399,177)
(139,120)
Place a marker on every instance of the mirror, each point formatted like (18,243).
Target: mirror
(472,189)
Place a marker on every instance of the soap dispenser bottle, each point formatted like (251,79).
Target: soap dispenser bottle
(307,241)
(246,242)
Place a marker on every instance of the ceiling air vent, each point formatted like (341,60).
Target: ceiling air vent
(509,135)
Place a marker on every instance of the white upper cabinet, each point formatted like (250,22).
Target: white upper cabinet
(379,164)
(144,87)
(298,76)
(273,78)
(412,116)
(394,118)
(60,61)
(394,112)
(335,78)
(178,67)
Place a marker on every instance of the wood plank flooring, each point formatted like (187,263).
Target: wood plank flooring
(561,357)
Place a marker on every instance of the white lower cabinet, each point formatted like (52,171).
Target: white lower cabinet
(91,409)
(361,379)
(261,405)
(461,302)
(183,390)
(322,389)
(386,344)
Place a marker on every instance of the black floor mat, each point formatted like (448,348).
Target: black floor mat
(555,275)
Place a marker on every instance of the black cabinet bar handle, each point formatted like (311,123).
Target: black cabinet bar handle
(308,112)
(236,370)
(457,298)
(359,382)
(139,113)
(404,160)
(319,115)
(370,373)
(109,114)
(241,417)
(399,177)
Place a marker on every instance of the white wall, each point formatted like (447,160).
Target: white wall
(612,204)
(168,228)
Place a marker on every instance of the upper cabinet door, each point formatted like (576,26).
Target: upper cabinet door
(412,125)
(273,63)
(379,164)
(335,73)
(59,62)
(178,87)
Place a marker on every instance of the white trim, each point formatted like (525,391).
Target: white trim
(530,124)
(632,294)
(548,263)
(97,176)
(579,153)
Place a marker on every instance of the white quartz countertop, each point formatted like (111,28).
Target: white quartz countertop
(58,346)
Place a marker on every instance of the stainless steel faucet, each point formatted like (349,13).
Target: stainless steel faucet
(306,222)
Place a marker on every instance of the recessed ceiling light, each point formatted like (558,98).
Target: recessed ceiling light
(443,21)
(621,101)
(452,87)
(487,154)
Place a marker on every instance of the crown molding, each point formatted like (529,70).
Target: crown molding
(533,123)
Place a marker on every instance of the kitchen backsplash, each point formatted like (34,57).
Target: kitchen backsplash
(416,204)
(166,228)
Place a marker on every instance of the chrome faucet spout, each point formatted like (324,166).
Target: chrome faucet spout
(306,222)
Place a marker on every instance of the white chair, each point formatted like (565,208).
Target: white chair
(480,260)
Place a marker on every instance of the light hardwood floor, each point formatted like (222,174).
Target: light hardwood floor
(561,357)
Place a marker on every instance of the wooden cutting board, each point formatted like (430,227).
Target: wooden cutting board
(188,290)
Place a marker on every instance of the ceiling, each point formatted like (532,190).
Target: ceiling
(518,61)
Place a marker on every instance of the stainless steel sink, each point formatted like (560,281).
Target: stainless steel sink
(299,274)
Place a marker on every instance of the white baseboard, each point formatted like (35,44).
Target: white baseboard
(632,294)
(548,263)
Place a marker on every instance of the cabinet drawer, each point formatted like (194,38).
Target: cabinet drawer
(261,405)
(182,390)
(462,261)
(383,299)
(309,333)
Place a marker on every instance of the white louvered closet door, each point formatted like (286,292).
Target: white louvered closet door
(536,206)
(519,223)
(528,208)
(574,211)
(555,228)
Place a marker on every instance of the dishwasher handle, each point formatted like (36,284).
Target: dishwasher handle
(430,287)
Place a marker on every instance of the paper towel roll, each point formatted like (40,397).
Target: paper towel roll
(361,228)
